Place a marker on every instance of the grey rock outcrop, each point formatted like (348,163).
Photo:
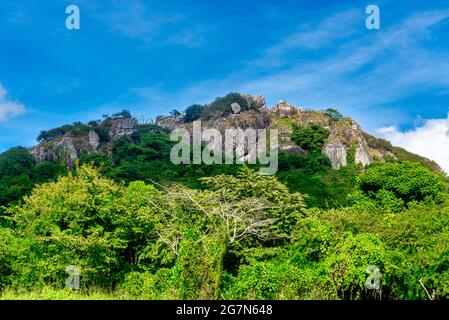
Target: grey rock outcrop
(121,127)
(347,135)
(67,148)
(236,108)
(336,153)
(255,102)
(291,149)
(362,156)
(170,122)
(94,140)
(284,110)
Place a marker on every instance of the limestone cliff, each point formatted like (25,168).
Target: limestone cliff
(346,142)
(67,147)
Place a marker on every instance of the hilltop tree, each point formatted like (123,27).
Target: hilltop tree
(193,112)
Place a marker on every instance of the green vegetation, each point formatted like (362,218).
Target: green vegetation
(139,227)
(100,126)
(310,138)
(193,112)
(19,173)
(222,106)
(392,186)
(243,236)
(334,114)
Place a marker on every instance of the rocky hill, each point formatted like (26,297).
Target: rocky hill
(67,146)
(346,141)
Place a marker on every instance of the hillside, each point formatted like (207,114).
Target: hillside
(127,150)
(346,142)
(104,199)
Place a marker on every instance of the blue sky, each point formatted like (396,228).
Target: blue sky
(153,56)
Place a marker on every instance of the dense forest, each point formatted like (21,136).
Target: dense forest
(139,227)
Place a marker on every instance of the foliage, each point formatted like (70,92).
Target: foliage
(334,114)
(222,106)
(82,220)
(123,114)
(76,128)
(310,138)
(19,173)
(140,227)
(393,185)
(242,236)
(101,127)
(175,112)
(193,112)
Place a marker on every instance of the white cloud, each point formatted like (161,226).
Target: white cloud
(9,109)
(430,140)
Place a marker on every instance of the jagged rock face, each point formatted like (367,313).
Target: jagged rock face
(255,102)
(336,153)
(94,140)
(121,127)
(67,148)
(43,152)
(362,156)
(170,122)
(253,119)
(348,134)
(292,149)
(283,109)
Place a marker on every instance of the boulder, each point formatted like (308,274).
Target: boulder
(284,110)
(121,127)
(336,153)
(236,108)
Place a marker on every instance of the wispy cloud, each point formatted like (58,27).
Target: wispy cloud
(375,69)
(136,20)
(133,19)
(9,109)
(312,36)
(364,74)
(190,37)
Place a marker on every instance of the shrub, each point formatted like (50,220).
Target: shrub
(334,114)
(406,181)
(193,112)
(310,138)
(222,106)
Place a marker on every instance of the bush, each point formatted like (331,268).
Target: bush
(401,183)
(193,113)
(76,128)
(15,161)
(19,173)
(83,220)
(334,114)
(310,138)
(148,286)
(222,106)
